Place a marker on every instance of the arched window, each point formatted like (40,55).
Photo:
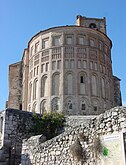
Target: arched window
(95,105)
(55,104)
(94,85)
(93,26)
(69,84)
(44,86)
(70,109)
(55,84)
(70,105)
(30,92)
(82,83)
(43,107)
(103,87)
(35,89)
(83,106)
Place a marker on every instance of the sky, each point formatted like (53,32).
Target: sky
(22,19)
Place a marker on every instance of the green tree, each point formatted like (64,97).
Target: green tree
(49,124)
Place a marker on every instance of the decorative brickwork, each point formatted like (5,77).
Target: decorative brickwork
(66,69)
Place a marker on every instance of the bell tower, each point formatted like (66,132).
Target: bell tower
(94,23)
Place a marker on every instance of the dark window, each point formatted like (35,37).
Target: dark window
(70,106)
(20,106)
(92,25)
(95,108)
(81,79)
(83,107)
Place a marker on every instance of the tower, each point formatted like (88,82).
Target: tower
(69,69)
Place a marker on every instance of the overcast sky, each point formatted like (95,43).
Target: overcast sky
(21,19)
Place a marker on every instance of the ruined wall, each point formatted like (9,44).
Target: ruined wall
(15,86)
(75,121)
(60,150)
(81,131)
(15,127)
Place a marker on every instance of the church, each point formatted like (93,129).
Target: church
(66,69)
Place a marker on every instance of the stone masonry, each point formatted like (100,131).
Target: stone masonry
(81,130)
(15,86)
(57,151)
(15,125)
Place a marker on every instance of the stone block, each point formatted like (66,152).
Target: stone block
(114,113)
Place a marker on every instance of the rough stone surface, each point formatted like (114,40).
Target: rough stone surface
(15,127)
(35,150)
(15,86)
(57,150)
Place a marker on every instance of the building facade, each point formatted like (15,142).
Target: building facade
(66,69)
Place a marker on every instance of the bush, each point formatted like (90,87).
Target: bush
(76,150)
(49,124)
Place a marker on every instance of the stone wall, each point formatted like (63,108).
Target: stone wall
(15,127)
(80,135)
(15,86)
(76,146)
(75,121)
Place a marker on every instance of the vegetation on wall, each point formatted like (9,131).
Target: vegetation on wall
(49,124)
(76,150)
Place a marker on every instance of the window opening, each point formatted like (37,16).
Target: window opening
(92,25)
(70,106)
(81,79)
(83,107)
(95,108)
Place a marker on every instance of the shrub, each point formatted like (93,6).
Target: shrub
(76,150)
(97,147)
(49,124)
